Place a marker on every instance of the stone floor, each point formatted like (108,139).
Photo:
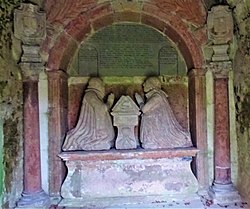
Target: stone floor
(196,203)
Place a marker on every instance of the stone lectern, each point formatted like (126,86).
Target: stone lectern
(126,114)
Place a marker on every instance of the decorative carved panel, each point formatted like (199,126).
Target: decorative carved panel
(220,25)
(29,24)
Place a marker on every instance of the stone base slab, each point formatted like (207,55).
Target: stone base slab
(130,202)
(121,174)
(36,207)
(224,193)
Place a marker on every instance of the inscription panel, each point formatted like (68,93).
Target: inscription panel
(129,50)
(127,59)
(168,61)
(88,61)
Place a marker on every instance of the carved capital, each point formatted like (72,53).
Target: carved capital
(31,70)
(220,25)
(29,24)
(219,69)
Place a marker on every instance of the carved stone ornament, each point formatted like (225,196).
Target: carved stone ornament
(126,114)
(220,24)
(29,24)
(219,69)
(30,70)
(31,54)
(220,53)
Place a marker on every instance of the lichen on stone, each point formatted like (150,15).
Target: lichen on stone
(6,19)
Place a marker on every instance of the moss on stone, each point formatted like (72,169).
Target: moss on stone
(2,86)
(242,95)
(11,149)
(1,160)
(243,116)
(11,116)
(6,19)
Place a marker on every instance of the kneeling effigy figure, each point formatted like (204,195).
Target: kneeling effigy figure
(94,129)
(159,127)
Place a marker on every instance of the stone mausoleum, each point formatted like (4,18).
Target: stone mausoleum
(124,104)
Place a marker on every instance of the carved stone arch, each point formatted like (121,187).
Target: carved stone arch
(81,26)
(62,42)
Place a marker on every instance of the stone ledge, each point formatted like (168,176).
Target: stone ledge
(128,154)
(135,202)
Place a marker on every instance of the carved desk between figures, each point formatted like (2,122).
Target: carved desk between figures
(128,173)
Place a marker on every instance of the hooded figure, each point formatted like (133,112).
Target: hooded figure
(159,127)
(94,129)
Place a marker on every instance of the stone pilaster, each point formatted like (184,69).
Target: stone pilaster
(220,33)
(58,109)
(33,194)
(197,110)
(222,189)
(29,27)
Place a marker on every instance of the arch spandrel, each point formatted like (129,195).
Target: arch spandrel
(59,46)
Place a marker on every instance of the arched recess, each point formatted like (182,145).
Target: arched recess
(78,29)
(68,41)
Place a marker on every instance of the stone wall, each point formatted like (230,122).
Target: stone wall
(241,11)
(10,109)
(11,127)
(242,95)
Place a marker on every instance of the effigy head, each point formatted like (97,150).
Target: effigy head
(96,83)
(152,83)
